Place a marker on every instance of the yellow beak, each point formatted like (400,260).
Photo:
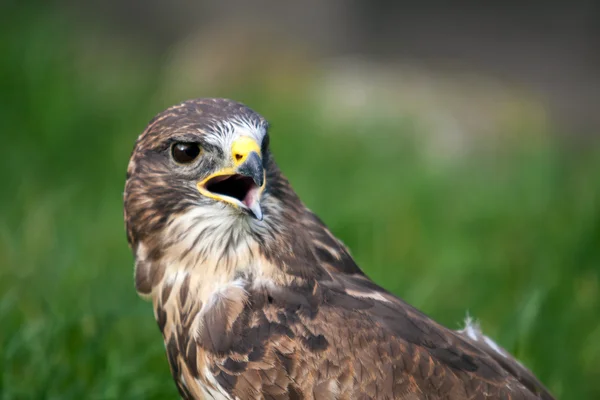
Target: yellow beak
(241,184)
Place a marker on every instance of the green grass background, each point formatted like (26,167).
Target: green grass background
(509,233)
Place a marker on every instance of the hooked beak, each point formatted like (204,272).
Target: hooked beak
(242,185)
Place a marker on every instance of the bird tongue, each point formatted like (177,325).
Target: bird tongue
(251,201)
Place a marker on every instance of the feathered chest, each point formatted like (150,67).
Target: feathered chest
(236,341)
(235,325)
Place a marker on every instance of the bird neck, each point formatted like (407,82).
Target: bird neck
(204,250)
(296,240)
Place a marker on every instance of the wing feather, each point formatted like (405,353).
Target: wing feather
(280,348)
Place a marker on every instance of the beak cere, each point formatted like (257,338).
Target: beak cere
(240,186)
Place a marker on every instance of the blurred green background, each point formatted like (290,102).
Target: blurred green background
(498,218)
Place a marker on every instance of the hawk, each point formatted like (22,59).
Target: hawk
(257,299)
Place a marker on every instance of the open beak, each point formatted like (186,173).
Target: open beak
(241,185)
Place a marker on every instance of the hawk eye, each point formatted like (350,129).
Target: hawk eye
(185,153)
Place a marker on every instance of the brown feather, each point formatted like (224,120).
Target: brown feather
(279,309)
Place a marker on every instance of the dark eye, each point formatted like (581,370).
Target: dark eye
(185,153)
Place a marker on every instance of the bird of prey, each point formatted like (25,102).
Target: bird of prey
(257,299)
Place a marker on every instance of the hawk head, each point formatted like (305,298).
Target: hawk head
(209,154)
(201,180)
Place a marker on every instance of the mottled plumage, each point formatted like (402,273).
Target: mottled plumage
(256,298)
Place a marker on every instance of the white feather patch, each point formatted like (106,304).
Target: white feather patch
(369,295)
(473,331)
(225,132)
(216,391)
